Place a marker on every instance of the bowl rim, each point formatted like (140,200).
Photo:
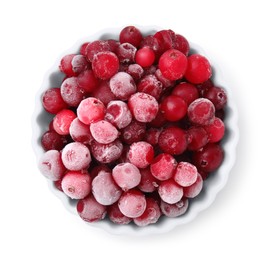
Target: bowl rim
(196,206)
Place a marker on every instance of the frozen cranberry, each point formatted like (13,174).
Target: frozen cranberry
(148,182)
(170,191)
(87,81)
(51,166)
(71,92)
(52,101)
(173,108)
(159,120)
(106,153)
(80,132)
(182,44)
(173,64)
(132,203)
(141,154)
(209,158)
(76,156)
(174,210)
(165,82)
(145,57)
(104,189)
(116,216)
(152,135)
(90,210)
(103,92)
(198,138)
(163,166)
(153,43)
(126,53)
(173,140)
(149,84)
(118,114)
(135,71)
(201,111)
(166,39)
(95,47)
(122,85)
(150,70)
(151,214)
(185,174)
(76,185)
(105,65)
(144,107)
(83,47)
(79,64)
(132,35)
(204,87)
(126,175)
(218,97)
(134,132)
(63,120)
(215,130)
(66,65)
(193,190)
(188,92)
(103,132)
(198,69)
(113,44)
(90,110)
(51,140)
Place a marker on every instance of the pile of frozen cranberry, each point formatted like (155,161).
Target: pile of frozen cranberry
(136,129)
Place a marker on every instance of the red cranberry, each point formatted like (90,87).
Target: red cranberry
(66,65)
(87,81)
(215,130)
(135,71)
(181,44)
(170,191)
(173,64)
(63,120)
(185,174)
(198,138)
(193,190)
(134,132)
(83,47)
(51,140)
(145,57)
(126,53)
(198,69)
(165,82)
(152,136)
(131,35)
(174,210)
(95,47)
(166,39)
(148,182)
(218,97)
(80,132)
(52,101)
(116,216)
(209,158)
(103,92)
(153,43)
(186,91)
(149,84)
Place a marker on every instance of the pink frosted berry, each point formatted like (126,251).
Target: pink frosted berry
(51,166)
(116,216)
(63,120)
(80,132)
(90,210)
(126,175)
(201,111)
(170,191)
(71,92)
(148,182)
(104,189)
(126,52)
(141,154)
(193,190)
(135,71)
(103,92)
(151,214)
(122,85)
(134,132)
(76,184)
(76,156)
(165,82)
(215,130)
(174,210)
(105,64)
(90,110)
(132,203)
(52,101)
(163,166)
(103,132)
(185,174)
(149,84)
(143,107)
(93,48)
(66,65)
(118,114)
(107,153)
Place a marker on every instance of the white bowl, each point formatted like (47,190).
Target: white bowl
(212,185)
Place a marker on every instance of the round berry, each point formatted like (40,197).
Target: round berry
(145,57)
(170,191)
(105,65)
(188,92)
(193,190)
(87,81)
(218,97)
(131,35)
(198,69)
(185,174)
(126,53)
(141,154)
(51,140)
(63,120)
(173,108)
(198,138)
(93,48)
(143,107)
(149,84)
(103,92)
(135,71)
(173,140)
(215,130)
(116,216)
(148,182)
(132,203)
(134,132)
(201,111)
(173,64)
(52,101)
(76,185)
(174,210)
(66,65)
(80,132)
(181,44)
(76,156)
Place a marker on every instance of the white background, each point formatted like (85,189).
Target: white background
(35,225)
